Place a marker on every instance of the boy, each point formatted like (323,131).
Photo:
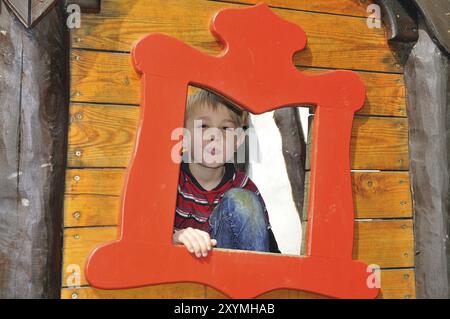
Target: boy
(217,205)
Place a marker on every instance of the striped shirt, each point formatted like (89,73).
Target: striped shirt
(195,204)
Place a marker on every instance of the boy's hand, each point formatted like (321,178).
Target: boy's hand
(195,240)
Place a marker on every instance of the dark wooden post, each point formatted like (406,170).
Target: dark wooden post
(33,124)
(426,73)
(294,151)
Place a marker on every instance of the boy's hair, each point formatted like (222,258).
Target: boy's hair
(204,97)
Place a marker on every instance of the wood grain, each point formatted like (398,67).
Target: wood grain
(95,196)
(385,243)
(395,284)
(344,7)
(105,77)
(377,143)
(103,136)
(376,195)
(334,41)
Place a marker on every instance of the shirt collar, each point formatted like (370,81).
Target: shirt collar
(229,175)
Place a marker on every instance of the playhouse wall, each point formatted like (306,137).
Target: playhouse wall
(104,109)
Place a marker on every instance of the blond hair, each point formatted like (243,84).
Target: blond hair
(204,97)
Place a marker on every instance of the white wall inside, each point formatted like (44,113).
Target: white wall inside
(267,170)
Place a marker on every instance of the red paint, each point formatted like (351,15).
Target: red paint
(255,70)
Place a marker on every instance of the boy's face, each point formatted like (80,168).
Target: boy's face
(214,135)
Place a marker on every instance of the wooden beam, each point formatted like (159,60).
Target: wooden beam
(426,74)
(435,14)
(33,125)
(31,11)
(294,151)
(86,6)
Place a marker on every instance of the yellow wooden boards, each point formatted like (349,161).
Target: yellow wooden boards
(94,193)
(334,41)
(397,284)
(345,7)
(105,77)
(104,111)
(103,136)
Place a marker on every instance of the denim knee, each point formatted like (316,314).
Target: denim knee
(245,202)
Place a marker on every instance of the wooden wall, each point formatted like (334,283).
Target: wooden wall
(104,111)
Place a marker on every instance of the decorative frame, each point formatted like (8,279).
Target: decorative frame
(256,72)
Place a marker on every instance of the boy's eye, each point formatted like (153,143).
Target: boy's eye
(227,128)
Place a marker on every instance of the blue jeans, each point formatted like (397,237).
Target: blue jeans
(238,222)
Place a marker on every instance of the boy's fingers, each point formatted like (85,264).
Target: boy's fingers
(197,242)
(202,242)
(213,242)
(206,239)
(191,242)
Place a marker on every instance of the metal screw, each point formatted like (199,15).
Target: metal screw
(74,296)
(79,115)
(405,254)
(403,226)
(76,236)
(406,276)
(77,215)
(78,153)
(403,202)
(76,178)
(407,296)
(369,183)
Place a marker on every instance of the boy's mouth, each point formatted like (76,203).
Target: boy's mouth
(213,151)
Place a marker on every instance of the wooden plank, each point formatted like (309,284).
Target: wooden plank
(389,244)
(13,269)
(372,240)
(91,210)
(103,136)
(377,143)
(427,80)
(334,41)
(376,195)
(94,181)
(105,77)
(166,291)
(344,7)
(385,243)
(33,117)
(395,284)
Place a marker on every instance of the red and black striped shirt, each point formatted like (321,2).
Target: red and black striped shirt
(195,204)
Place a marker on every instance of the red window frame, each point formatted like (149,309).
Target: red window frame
(255,71)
